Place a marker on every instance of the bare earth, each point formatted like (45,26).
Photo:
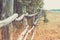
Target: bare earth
(50,30)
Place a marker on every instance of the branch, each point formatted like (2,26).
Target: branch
(28,33)
(23,33)
(20,18)
(31,15)
(8,20)
(36,22)
(34,32)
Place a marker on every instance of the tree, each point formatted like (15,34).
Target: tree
(34,5)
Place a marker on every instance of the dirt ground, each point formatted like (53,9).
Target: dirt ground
(50,30)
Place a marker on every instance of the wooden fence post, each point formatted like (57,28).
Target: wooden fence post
(24,12)
(7,11)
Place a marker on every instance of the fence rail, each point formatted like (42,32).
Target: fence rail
(26,31)
(8,20)
(8,10)
(15,17)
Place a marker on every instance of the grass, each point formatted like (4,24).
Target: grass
(50,30)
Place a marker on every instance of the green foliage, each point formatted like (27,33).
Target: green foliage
(32,5)
(35,5)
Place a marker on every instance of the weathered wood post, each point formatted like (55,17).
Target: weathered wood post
(24,10)
(6,12)
(34,18)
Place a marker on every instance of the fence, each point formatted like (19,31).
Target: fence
(8,12)
(14,17)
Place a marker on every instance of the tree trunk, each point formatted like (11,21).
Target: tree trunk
(6,12)
(0,8)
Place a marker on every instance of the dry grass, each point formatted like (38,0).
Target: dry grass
(50,30)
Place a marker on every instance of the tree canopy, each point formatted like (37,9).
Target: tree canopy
(32,5)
